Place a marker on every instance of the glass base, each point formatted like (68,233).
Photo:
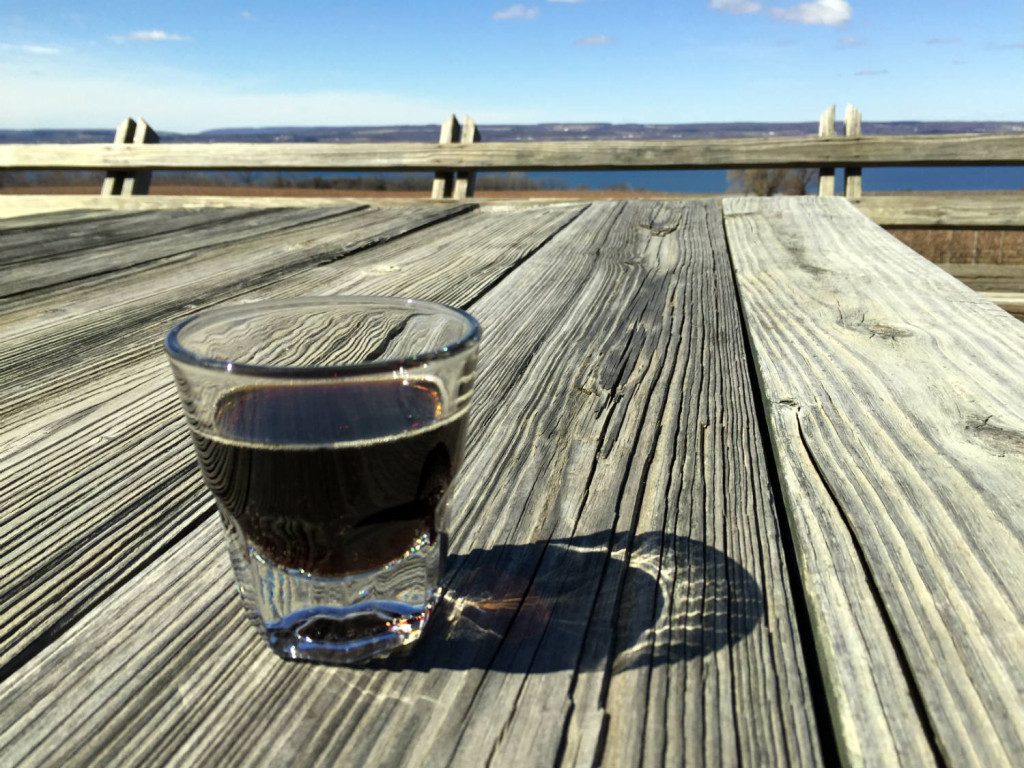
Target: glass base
(346,636)
(337,620)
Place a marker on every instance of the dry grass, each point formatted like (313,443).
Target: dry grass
(965,246)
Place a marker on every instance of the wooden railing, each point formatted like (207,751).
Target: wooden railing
(456,158)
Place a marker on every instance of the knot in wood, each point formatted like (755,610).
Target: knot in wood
(658,230)
(890,332)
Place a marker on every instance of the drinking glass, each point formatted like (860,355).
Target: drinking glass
(328,430)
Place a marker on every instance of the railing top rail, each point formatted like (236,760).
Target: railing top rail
(684,154)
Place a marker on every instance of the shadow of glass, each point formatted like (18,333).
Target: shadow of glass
(576,603)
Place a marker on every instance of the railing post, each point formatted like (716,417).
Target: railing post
(853,175)
(827,129)
(465,181)
(444,181)
(130,182)
(114,180)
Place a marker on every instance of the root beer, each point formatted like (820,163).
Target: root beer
(333,478)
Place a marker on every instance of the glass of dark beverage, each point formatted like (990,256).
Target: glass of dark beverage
(329,429)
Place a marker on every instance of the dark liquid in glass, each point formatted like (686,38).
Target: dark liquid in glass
(336,478)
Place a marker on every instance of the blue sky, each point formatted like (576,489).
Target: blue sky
(188,66)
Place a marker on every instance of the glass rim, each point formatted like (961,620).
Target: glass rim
(178,352)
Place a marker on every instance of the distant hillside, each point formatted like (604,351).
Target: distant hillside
(539,132)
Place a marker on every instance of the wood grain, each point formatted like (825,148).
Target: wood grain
(977,211)
(40,219)
(119,317)
(24,267)
(137,183)
(617,591)
(768,152)
(959,210)
(27,243)
(1012,302)
(853,179)
(114,438)
(444,181)
(465,181)
(113,181)
(894,401)
(19,207)
(988,278)
(119,183)
(827,130)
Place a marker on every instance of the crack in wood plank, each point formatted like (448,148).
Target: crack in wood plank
(894,639)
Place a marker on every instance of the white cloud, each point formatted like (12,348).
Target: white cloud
(826,12)
(246,15)
(35,50)
(154,34)
(594,39)
(565,1)
(871,72)
(850,42)
(517,11)
(736,6)
(149,35)
(942,41)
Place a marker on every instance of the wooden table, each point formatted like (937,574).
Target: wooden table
(784,530)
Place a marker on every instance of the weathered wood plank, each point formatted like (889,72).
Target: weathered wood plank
(25,229)
(960,209)
(17,207)
(1010,302)
(53,218)
(768,152)
(31,244)
(613,517)
(853,182)
(125,485)
(321,236)
(109,320)
(120,183)
(113,182)
(444,180)
(137,183)
(465,181)
(827,130)
(894,400)
(965,210)
(988,278)
(150,242)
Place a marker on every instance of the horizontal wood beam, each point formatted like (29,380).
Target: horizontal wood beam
(957,211)
(925,211)
(13,206)
(988,278)
(801,152)
(1011,302)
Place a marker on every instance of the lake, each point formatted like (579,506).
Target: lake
(953,179)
